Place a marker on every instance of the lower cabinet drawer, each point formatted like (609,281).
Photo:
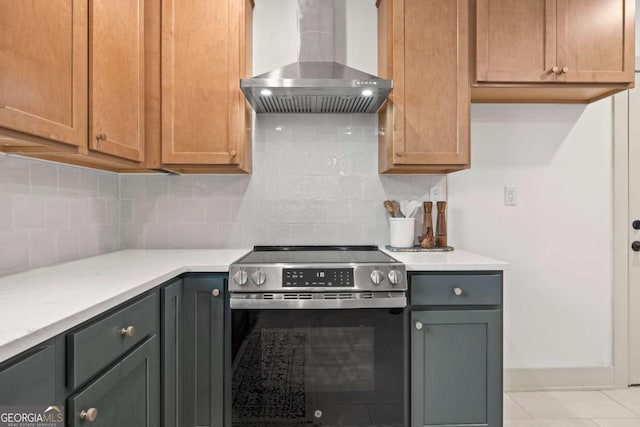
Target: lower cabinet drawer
(96,346)
(30,380)
(127,395)
(456,289)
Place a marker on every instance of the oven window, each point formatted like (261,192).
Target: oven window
(318,367)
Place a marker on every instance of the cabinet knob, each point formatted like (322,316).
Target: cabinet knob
(419,325)
(457,291)
(129,331)
(101,137)
(215,292)
(233,153)
(89,414)
(555,70)
(636,224)
(565,70)
(635,246)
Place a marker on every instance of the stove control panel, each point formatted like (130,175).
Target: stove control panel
(309,278)
(317,277)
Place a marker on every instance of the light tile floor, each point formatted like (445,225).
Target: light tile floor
(610,408)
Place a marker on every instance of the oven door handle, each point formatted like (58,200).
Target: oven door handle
(244,302)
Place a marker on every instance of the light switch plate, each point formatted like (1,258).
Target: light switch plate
(510,196)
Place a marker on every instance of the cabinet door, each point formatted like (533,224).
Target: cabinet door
(203,349)
(515,40)
(596,40)
(126,395)
(203,111)
(30,380)
(456,368)
(431,96)
(117,78)
(171,360)
(43,69)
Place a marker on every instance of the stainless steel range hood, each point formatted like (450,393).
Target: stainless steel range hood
(316,87)
(316,83)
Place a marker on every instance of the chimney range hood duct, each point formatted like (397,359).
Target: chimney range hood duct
(315,84)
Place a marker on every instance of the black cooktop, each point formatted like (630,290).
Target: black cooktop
(315,255)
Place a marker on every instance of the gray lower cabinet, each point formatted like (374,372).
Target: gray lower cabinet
(456,350)
(31,379)
(171,324)
(126,395)
(203,349)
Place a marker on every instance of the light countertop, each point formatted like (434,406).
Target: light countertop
(457,260)
(40,304)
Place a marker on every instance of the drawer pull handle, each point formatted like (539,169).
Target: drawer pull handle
(129,331)
(89,415)
(215,292)
(457,291)
(419,325)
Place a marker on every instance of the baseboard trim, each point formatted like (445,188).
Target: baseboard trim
(590,378)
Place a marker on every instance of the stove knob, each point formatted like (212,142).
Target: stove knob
(258,277)
(240,278)
(377,277)
(395,277)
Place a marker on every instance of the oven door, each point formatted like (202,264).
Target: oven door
(310,367)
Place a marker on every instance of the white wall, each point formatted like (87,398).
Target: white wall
(558,238)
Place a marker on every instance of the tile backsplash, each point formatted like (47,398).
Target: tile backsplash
(315,181)
(52,213)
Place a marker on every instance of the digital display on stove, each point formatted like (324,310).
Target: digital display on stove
(317,277)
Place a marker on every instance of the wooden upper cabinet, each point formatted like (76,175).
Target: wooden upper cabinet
(424,49)
(43,69)
(205,52)
(596,41)
(584,49)
(117,78)
(515,40)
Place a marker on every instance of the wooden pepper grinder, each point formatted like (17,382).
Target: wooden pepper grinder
(427,239)
(441,225)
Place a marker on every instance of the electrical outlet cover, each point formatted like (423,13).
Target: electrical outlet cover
(510,196)
(435,194)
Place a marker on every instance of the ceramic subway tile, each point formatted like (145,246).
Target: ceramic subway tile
(89,183)
(89,242)
(43,246)
(205,236)
(28,212)
(6,212)
(14,175)
(67,241)
(144,211)
(43,178)
(218,211)
(97,211)
(168,210)
(193,211)
(180,236)
(131,187)
(131,236)
(156,236)
(109,239)
(57,213)
(79,212)
(68,180)
(108,185)
(14,251)
(156,186)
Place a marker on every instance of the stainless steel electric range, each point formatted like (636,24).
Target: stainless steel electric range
(319,337)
